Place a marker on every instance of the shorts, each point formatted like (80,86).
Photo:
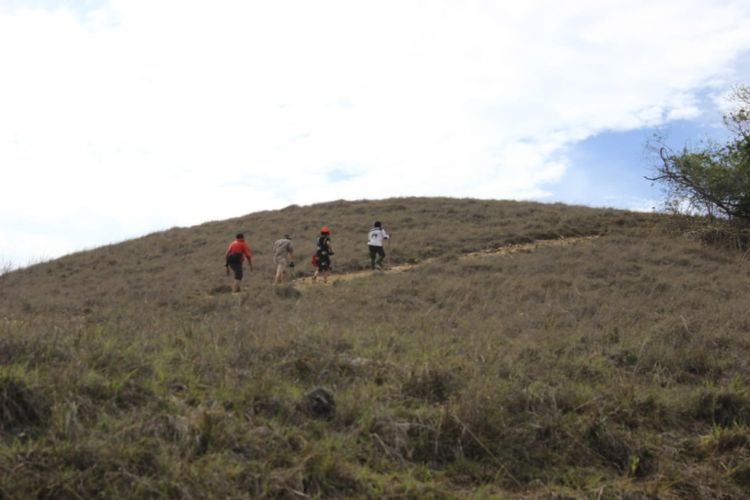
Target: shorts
(280,261)
(281,264)
(324,263)
(237,268)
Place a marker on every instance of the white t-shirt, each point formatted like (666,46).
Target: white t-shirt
(376,236)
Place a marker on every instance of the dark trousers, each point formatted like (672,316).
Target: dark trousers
(378,252)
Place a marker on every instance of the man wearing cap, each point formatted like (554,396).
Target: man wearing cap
(237,252)
(283,257)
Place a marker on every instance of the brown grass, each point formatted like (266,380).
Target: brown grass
(611,368)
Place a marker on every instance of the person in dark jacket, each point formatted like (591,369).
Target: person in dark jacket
(323,253)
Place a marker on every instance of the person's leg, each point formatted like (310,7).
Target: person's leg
(381,256)
(372,257)
(279,274)
(237,268)
(325,269)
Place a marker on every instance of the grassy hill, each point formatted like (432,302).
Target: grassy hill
(612,367)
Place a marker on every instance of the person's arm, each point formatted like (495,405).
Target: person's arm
(249,256)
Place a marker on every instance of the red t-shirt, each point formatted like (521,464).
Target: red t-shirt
(239,246)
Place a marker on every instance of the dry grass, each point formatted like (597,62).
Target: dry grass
(612,368)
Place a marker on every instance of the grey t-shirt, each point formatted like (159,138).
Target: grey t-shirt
(281,248)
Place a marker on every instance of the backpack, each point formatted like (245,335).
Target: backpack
(323,246)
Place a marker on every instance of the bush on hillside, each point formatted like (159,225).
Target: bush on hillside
(713,180)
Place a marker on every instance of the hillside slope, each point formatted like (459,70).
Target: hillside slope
(613,367)
(173,266)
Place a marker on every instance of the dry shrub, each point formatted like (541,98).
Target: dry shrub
(324,475)
(741,475)
(723,235)
(86,470)
(433,384)
(20,406)
(733,440)
(308,368)
(392,436)
(121,391)
(636,408)
(701,481)
(722,407)
(270,405)
(729,234)
(618,449)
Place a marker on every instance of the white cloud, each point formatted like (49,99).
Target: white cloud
(134,115)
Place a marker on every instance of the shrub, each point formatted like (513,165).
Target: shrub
(20,407)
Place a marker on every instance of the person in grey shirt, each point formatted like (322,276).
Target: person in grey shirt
(283,257)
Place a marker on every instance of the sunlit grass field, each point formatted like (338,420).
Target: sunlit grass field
(610,367)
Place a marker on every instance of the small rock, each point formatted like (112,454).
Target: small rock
(320,404)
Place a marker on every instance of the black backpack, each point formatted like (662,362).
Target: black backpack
(323,246)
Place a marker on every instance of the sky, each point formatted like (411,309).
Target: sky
(123,117)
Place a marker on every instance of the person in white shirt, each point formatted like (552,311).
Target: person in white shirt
(375,239)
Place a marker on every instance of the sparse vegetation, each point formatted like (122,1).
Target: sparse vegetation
(6,266)
(616,367)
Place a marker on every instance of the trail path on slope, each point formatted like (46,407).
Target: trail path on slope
(504,250)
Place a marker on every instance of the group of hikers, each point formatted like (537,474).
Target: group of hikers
(238,252)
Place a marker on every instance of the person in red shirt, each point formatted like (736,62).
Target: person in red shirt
(236,254)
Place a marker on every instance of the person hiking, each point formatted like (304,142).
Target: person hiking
(323,253)
(375,239)
(237,252)
(283,257)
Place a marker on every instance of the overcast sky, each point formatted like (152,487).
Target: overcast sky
(118,118)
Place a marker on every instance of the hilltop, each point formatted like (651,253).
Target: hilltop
(523,350)
(180,265)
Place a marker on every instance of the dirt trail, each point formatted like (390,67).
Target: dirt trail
(505,250)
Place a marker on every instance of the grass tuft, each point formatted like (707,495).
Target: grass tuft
(21,408)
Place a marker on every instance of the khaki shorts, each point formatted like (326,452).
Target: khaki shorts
(281,264)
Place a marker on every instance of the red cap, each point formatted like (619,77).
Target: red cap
(325,230)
